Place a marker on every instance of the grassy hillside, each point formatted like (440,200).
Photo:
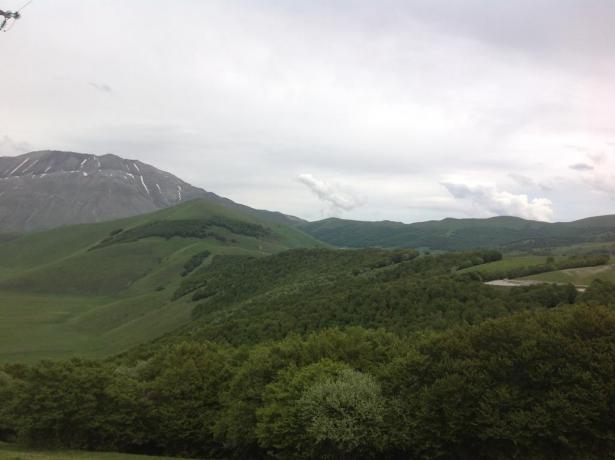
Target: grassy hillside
(14,452)
(578,276)
(508,263)
(97,289)
(507,233)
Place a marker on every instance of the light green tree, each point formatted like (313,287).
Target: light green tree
(344,416)
(280,428)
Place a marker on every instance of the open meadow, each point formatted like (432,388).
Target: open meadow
(14,452)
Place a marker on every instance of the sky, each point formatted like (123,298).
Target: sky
(405,110)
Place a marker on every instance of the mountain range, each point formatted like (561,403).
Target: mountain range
(48,189)
(502,232)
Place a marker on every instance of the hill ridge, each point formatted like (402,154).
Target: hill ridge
(503,232)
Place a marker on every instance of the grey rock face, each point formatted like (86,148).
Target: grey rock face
(47,189)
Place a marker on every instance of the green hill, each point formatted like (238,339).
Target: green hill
(246,300)
(96,289)
(504,232)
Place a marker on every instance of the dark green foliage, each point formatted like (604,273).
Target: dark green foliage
(243,276)
(582,261)
(536,385)
(8,390)
(76,404)
(545,295)
(531,386)
(248,300)
(600,292)
(181,388)
(187,228)
(194,262)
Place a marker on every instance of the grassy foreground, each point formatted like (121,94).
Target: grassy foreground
(14,452)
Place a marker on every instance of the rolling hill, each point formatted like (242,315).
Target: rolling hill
(504,232)
(97,289)
(47,189)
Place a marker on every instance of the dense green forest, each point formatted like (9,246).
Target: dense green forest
(247,300)
(532,385)
(185,228)
(342,354)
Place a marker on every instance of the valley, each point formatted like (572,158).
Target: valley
(207,328)
(307,230)
(202,331)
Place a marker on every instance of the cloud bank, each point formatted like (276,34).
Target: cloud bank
(492,201)
(336,196)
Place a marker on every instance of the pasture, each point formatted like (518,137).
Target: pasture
(577,276)
(14,452)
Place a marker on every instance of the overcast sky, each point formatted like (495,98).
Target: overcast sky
(404,110)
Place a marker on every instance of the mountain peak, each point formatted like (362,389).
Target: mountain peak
(52,188)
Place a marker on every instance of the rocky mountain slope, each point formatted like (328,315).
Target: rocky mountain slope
(47,189)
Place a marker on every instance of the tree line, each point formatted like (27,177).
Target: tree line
(535,385)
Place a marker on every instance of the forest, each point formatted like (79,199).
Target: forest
(342,354)
(184,228)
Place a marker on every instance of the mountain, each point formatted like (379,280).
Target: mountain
(96,289)
(47,189)
(504,232)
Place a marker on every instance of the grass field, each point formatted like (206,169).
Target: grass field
(578,276)
(13,452)
(507,263)
(585,248)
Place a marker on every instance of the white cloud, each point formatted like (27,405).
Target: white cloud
(492,201)
(522,179)
(338,197)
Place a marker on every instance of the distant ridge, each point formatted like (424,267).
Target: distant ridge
(503,232)
(47,189)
